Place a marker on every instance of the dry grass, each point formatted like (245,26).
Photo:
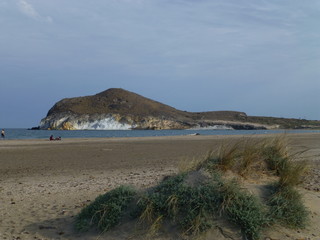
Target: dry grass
(154,227)
(173,205)
(196,225)
(248,157)
(147,215)
(293,173)
(187,165)
(224,158)
(276,155)
(227,156)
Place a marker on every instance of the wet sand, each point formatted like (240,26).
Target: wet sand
(44,184)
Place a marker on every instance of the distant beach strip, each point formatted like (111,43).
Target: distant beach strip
(20,133)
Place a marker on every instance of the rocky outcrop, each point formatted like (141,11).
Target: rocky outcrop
(67,121)
(121,109)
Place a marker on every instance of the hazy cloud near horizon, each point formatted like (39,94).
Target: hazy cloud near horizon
(261,57)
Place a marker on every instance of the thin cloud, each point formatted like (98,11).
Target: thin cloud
(27,9)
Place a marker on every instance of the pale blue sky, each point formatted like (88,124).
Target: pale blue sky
(257,56)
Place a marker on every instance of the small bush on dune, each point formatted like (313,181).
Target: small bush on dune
(286,206)
(194,208)
(106,211)
(243,209)
(179,203)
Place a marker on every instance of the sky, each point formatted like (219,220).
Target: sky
(261,57)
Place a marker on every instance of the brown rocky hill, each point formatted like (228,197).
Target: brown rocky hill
(115,101)
(120,109)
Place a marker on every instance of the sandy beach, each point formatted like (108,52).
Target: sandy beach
(44,184)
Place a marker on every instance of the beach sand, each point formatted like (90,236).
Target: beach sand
(44,184)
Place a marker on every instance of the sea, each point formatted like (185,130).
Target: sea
(20,133)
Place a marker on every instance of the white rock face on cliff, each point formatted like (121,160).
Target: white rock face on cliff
(103,124)
(86,122)
(213,127)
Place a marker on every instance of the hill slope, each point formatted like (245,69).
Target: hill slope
(120,109)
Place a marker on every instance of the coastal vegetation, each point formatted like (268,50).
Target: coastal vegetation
(106,211)
(209,190)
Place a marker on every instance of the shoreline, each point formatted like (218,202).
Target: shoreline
(23,134)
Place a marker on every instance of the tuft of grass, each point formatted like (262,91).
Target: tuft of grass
(147,215)
(250,158)
(275,154)
(286,207)
(292,173)
(227,155)
(155,227)
(222,159)
(106,211)
(279,160)
(197,223)
(173,204)
(194,164)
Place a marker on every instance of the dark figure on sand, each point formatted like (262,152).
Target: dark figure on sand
(52,138)
(3,135)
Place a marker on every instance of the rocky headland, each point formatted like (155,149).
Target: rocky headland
(120,109)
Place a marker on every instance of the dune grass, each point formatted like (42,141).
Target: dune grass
(251,156)
(286,207)
(106,211)
(194,209)
(197,197)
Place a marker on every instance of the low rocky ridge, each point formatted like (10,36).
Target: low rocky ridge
(120,109)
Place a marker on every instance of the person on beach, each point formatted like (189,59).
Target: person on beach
(54,139)
(3,135)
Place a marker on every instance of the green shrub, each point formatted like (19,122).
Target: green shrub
(106,211)
(197,208)
(286,206)
(194,208)
(243,209)
(190,207)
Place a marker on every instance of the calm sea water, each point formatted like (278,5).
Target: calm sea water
(19,133)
